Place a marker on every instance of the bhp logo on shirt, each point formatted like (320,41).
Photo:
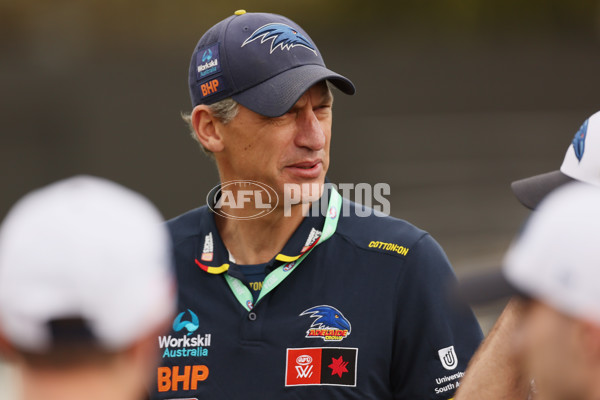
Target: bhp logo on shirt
(185,377)
(321,366)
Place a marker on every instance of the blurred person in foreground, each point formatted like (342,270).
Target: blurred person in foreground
(495,371)
(85,286)
(553,269)
(342,303)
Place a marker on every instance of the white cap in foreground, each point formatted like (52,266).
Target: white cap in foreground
(556,259)
(581,163)
(84,248)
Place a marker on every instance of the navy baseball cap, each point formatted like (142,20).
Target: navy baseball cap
(263,61)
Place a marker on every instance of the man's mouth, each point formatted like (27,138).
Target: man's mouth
(305,164)
(306,169)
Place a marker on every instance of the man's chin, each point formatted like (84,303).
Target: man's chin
(303,192)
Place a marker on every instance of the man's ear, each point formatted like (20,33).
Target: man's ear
(205,127)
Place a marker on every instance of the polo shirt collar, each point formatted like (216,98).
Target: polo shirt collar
(213,257)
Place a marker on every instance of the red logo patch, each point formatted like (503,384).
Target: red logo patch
(303,367)
(321,366)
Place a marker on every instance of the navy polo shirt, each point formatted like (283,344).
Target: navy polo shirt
(363,316)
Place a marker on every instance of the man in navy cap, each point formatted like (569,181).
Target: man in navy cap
(277,301)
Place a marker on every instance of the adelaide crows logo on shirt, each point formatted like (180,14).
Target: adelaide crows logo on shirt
(329,324)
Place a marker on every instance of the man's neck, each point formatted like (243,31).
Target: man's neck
(257,241)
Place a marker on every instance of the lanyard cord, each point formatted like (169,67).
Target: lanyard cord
(243,294)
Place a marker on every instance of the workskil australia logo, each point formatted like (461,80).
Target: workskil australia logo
(189,344)
(329,324)
(207,61)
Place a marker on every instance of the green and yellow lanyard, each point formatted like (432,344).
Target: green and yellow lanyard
(241,291)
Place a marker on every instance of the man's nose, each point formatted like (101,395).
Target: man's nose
(310,132)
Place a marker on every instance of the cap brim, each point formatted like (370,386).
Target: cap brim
(530,191)
(484,288)
(277,95)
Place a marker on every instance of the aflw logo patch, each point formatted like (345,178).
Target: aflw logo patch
(334,366)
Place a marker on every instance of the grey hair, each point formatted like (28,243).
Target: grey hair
(224,110)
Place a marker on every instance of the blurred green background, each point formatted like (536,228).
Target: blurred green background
(455,100)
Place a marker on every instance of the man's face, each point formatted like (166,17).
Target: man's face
(293,148)
(553,353)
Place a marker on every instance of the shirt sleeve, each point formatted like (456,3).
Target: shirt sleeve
(435,335)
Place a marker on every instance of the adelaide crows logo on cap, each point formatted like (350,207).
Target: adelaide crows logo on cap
(329,324)
(579,140)
(283,36)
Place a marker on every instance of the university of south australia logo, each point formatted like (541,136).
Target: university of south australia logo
(448,358)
